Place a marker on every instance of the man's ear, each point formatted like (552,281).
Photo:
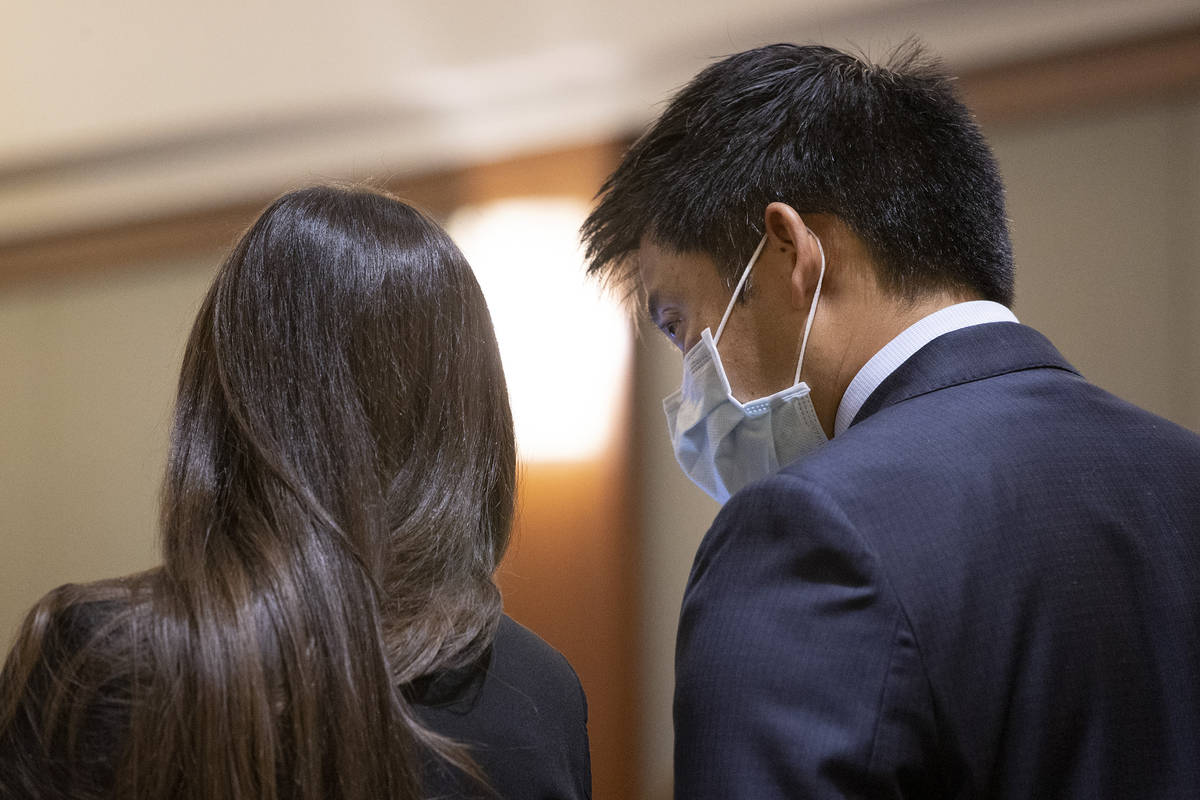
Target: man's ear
(789,237)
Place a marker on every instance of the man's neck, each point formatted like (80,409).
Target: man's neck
(862,333)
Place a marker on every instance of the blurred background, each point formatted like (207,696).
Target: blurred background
(140,137)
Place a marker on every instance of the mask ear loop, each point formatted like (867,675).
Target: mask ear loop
(737,290)
(812,311)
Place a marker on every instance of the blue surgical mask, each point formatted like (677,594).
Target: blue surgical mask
(723,444)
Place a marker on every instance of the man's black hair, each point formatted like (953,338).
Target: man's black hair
(888,149)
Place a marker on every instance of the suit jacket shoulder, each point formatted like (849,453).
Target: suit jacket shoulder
(797,673)
(986,586)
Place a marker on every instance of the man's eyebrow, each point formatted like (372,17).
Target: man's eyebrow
(652,307)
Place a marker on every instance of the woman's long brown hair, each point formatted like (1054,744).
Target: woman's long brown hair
(338,494)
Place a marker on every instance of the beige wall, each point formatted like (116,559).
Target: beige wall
(88,371)
(1105,215)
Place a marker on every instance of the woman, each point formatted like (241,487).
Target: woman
(338,495)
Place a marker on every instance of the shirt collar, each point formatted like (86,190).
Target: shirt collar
(910,340)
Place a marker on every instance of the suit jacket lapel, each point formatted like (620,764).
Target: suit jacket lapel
(965,355)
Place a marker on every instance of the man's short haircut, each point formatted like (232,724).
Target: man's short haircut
(888,149)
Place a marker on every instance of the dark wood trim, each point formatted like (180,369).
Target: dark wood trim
(124,247)
(201,233)
(1100,76)
(210,232)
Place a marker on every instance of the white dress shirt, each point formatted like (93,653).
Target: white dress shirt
(910,340)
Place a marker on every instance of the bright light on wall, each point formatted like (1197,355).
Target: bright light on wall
(565,345)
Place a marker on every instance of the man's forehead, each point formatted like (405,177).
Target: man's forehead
(658,274)
(668,275)
(654,260)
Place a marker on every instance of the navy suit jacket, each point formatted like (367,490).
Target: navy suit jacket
(988,586)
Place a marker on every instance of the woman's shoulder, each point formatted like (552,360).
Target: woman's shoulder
(67,622)
(521,656)
(523,718)
(522,683)
(61,691)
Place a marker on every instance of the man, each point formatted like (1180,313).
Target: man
(986,583)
